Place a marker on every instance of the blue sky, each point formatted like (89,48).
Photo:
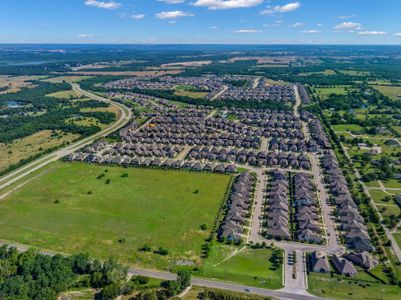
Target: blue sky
(201,21)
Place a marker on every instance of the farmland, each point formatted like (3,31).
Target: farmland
(75,208)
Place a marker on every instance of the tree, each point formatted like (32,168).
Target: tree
(184,279)
(111,291)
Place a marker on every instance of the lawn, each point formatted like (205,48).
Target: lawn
(339,90)
(12,153)
(189,91)
(389,91)
(70,210)
(392,184)
(397,237)
(249,267)
(323,285)
(196,95)
(348,127)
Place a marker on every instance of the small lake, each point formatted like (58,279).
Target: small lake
(13,104)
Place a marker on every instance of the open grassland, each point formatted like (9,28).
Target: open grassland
(250,266)
(86,121)
(323,285)
(390,91)
(66,95)
(189,91)
(323,92)
(67,79)
(347,127)
(196,95)
(15,84)
(26,147)
(75,208)
(355,73)
(323,73)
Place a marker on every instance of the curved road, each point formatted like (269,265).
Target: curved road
(124,117)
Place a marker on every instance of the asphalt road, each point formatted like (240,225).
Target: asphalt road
(124,117)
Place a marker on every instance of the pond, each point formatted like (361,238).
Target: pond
(13,104)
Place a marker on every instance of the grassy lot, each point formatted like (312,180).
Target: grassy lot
(189,91)
(348,127)
(196,95)
(389,91)
(355,73)
(70,210)
(66,95)
(15,83)
(341,289)
(249,267)
(86,122)
(12,153)
(325,72)
(397,237)
(386,208)
(392,184)
(196,293)
(68,79)
(372,184)
(339,90)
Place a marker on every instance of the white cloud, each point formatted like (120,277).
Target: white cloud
(346,17)
(371,32)
(296,25)
(214,27)
(227,4)
(173,14)
(103,4)
(138,16)
(248,31)
(172,1)
(281,9)
(348,26)
(397,34)
(311,31)
(85,35)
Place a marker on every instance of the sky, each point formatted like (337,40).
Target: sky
(201,21)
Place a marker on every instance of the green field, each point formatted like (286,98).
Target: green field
(325,91)
(250,266)
(397,237)
(348,127)
(323,285)
(390,91)
(70,210)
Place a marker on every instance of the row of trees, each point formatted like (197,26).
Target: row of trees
(32,275)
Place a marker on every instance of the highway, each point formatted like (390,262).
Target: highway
(124,117)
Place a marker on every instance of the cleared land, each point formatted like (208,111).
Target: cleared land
(24,148)
(250,266)
(66,95)
(349,289)
(15,84)
(67,79)
(73,208)
(393,92)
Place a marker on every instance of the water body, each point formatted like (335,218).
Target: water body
(13,104)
